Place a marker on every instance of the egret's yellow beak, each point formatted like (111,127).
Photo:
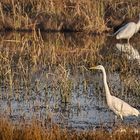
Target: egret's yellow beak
(91,68)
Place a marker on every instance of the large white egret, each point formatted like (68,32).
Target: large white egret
(128,30)
(118,106)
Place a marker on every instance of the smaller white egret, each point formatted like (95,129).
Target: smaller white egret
(128,30)
(118,106)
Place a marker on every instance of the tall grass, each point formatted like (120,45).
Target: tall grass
(81,15)
(35,131)
(24,56)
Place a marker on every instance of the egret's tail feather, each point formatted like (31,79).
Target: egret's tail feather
(136,112)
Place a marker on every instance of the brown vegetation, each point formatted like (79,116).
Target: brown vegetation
(66,15)
(36,131)
(22,52)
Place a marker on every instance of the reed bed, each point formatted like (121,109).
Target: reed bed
(25,55)
(86,15)
(35,131)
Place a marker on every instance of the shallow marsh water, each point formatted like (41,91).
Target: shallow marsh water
(46,77)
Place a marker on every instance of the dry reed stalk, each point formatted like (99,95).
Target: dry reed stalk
(2,15)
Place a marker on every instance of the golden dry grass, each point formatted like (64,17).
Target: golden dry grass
(81,15)
(36,131)
(23,55)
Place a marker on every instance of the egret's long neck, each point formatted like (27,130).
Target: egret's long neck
(106,85)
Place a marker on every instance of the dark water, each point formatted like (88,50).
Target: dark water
(36,84)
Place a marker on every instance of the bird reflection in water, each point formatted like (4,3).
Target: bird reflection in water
(130,52)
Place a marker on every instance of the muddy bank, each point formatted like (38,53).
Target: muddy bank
(90,16)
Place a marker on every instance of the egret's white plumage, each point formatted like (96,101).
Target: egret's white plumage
(128,30)
(118,106)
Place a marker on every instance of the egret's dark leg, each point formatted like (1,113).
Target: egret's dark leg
(115,120)
(118,122)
